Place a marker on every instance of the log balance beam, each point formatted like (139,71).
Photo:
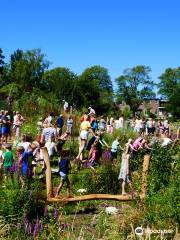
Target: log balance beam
(92,197)
(51,198)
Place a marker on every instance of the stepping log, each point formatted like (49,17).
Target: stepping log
(91,197)
(50,190)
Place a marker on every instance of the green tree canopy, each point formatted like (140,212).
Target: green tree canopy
(27,68)
(62,82)
(169,88)
(96,86)
(134,86)
(1,61)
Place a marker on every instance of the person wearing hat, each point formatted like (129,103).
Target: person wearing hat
(91,111)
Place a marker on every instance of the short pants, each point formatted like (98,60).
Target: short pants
(63,175)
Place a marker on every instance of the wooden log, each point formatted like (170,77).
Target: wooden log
(144,175)
(92,197)
(49,185)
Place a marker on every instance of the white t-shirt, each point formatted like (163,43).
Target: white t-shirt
(25,145)
(121,122)
(166,141)
(92,111)
(66,105)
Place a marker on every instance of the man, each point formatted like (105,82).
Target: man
(91,111)
(66,106)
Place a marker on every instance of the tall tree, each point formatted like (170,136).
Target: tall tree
(169,88)
(134,86)
(1,61)
(96,85)
(62,82)
(4,70)
(27,69)
(16,57)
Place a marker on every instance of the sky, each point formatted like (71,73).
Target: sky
(116,34)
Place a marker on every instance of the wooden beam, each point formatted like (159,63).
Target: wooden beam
(144,175)
(92,197)
(49,185)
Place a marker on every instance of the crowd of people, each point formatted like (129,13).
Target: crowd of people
(54,131)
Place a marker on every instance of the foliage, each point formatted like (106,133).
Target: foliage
(164,181)
(62,82)
(134,86)
(169,87)
(28,68)
(96,86)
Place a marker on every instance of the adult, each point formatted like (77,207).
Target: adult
(150,126)
(17,123)
(66,106)
(48,132)
(4,127)
(91,111)
(140,143)
(121,121)
(102,123)
(84,130)
(49,119)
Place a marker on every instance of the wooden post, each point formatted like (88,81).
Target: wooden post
(49,186)
(144,175)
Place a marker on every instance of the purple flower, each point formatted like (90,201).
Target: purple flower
(29,229)
(36,227)
(25,220)
(65,225)
(41,227)
(56,214)
(46,211)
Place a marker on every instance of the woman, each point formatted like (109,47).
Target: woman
(84,130)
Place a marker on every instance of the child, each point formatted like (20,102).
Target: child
(8,160)
(1,160)
(124,174)
(114,149)
(69,124)
(24,163)
(64,167)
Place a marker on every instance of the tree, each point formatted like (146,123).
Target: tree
(96,86)
(4,70)
(16,57)
(62,82)
(1,61)
(134,86)
(27,69)
(169,88)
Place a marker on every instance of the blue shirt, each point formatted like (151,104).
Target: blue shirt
(64,166)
